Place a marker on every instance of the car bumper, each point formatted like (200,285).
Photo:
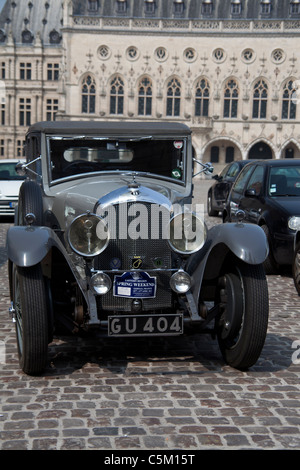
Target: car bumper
(283,248)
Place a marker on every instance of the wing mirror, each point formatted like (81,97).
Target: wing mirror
(207,168)
(23,168)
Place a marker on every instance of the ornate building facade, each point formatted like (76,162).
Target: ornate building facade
(227,68)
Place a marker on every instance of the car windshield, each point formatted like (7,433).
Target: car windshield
(8,172)
(162,157)
(284,181)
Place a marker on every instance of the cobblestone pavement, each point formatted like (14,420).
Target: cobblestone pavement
(154,394)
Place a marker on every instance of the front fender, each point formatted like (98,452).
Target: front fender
(28,245)
(247,242)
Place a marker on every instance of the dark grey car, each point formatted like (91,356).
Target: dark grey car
(218,193)
(105,237)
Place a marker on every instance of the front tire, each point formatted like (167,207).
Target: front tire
(29,300)
(296,268)
(211,212)
(243,320)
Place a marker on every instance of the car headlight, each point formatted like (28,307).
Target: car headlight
(88,235)
(187,233)
(294,223)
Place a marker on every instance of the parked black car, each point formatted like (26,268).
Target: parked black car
(268,193)
(218,192)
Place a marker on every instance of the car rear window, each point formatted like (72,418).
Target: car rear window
(284,181)
(8,172)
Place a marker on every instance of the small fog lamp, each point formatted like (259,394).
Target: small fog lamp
(100,283)
(180,282)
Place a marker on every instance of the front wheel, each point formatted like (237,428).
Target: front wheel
(296,268)
(29,300)
(243,319)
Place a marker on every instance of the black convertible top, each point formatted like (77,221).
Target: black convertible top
(112,128)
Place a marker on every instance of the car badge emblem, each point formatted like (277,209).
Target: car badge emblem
(136,262)
(157,262)
(115,263)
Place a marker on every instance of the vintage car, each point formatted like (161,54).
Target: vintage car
(105,237)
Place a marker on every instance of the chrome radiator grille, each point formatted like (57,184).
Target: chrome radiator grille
(153,253)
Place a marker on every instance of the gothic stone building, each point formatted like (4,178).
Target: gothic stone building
(227,68)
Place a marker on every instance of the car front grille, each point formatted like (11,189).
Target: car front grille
(152,253)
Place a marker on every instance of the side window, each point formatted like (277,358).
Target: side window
(256,180)
(242,179)
(33,152)
(234,168)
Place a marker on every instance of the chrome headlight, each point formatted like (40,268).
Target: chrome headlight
(294,223)
(187,233)
(88,235)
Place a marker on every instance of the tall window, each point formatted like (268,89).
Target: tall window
(231,96)
(117,96)
(2,115)
(51,109)
(2,147)
(265,7)
(149,7)
(25,71)
(294,8)
(236,7)
(173,97)
(88,95)
(2,71)
(121,6)
(93,5)
(202,98)
(260,100)
(178,7)
(25,111)
(206,8)
(145,97)
(20,148)
(288,104)
(52,72)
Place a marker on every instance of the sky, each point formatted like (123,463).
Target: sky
(1,4)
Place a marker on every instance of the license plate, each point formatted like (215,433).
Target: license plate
(145,325)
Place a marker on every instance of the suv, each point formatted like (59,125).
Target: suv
(10,183)
(105,237)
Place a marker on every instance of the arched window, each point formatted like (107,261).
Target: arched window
(289,106)
(231,96)
(202,98)
(145,97)
(260,100)
(117,96)
(88,95)
(173,97)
